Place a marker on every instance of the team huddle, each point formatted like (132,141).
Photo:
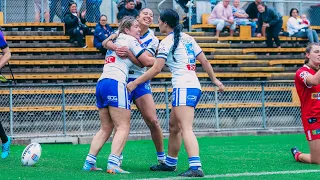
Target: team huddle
(125,80)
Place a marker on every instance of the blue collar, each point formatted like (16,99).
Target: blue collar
(145,35)
(170,33)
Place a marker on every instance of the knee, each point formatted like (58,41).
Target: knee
(174,128)
(220,24)
(106,128)
(233,26)
(152,122)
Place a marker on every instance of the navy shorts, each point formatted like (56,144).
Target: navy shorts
(110,92)
(141,90)
(185,97)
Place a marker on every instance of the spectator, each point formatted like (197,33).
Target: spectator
(59,8)
(129,10)
(272,20)
(93,10)
(221,16)
(297,28)
(101,32)
(304,19)
(38,9)
(75,26)
(252,10)
(241,17)
(122,3)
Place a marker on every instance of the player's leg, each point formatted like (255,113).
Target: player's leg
(175,141)
(6,142)
(120,114)
(106,128)
(147,108)
(99,139)
(313,157)
(184,112)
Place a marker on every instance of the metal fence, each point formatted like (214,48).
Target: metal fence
(69,110)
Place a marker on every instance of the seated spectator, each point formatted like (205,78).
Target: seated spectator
(75,26)
(221,16)
(305,20)
(129,10)
(38,9)
(241,17)
(122,4)
(272,20)
(101,32)
(300,28)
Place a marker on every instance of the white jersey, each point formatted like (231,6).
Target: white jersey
(150,43)
(117,68)
(184,69)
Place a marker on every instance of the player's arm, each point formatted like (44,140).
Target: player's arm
(151,73)
(208,68)
(313,80)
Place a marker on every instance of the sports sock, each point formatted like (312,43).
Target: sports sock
(91,159)
(114,160)
(194,162)
(296,156)
(161,156)
(171,161)
(3,135)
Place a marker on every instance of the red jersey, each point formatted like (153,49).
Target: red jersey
(309,98)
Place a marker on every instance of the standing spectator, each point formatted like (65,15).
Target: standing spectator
(75,26)
(101,32)
(221,16)
(122,3)
(38,9)
(241,17)
(272,20)
(129,10)
(93,10)
(59,8)
(297,28)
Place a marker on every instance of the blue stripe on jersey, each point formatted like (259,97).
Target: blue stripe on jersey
(199,53)
(139,54)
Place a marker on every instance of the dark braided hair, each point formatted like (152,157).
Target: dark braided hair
(171,17)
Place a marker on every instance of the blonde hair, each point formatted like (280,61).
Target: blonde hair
(126,23)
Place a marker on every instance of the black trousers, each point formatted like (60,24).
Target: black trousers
(3,135)
(273,32)
(75,34)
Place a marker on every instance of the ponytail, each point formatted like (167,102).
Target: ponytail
(176,34)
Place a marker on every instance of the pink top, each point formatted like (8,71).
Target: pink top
(221,12)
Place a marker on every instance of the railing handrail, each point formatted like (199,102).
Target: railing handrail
(152,83)
(160,5)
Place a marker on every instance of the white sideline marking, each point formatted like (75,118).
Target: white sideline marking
(243,174)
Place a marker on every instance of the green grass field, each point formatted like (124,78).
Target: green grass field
(264,156)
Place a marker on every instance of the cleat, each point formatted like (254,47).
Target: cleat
(89,167)
(163,167)
(112,169)
(6,148)
(294,151)
(120,160)
(192,173)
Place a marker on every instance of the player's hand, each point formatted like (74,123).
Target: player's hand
(131,86)
(122,51)
(219,84)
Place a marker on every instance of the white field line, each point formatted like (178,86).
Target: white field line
(243,174)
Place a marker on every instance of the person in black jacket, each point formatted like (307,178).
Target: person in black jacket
(252,10)
(75,26)
(101,32)
(129,10)
(272,20)
(122,3)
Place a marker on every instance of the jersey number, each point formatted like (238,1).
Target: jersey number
(191,67)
